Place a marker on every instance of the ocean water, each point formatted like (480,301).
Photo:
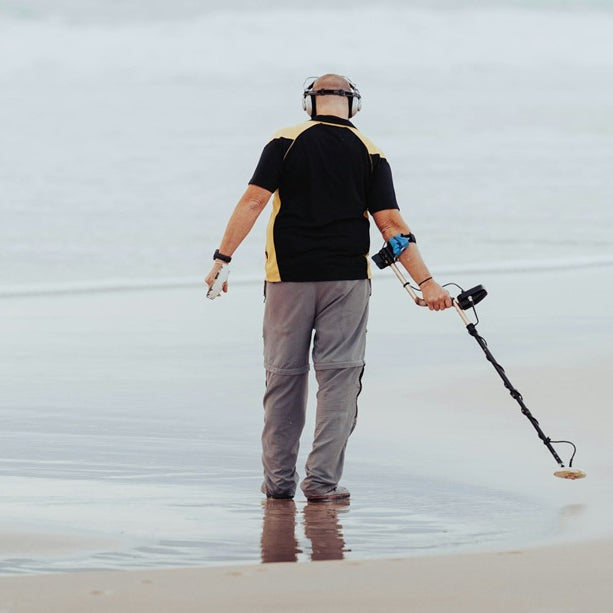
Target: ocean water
(130,129)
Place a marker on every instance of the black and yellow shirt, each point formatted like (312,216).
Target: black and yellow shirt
(326,177)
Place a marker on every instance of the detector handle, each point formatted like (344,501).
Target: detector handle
(416,299)
(420,301)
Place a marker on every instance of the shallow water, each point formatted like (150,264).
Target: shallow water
(134,417)
(150,525)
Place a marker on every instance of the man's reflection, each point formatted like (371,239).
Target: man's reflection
(279,542)
(321,527)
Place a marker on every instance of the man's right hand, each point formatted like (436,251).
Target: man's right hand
(217,279)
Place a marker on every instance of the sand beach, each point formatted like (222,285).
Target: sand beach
(573,579)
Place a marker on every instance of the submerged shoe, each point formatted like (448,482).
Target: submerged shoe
(338,493)
(281,496)
(287,495)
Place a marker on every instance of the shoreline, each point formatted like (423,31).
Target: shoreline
(138,284)
(569,579)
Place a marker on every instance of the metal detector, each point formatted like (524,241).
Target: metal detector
(464,301)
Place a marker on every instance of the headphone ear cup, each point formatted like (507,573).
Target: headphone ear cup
(308,102)
(355,106)
(307,105)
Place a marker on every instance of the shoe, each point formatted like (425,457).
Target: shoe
(277,495)
(338,493)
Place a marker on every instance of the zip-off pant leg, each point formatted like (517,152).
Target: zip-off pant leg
(289,317)
(338,312)
(337,411)
(338,356)
(285,401)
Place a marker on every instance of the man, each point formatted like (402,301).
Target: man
(326,178)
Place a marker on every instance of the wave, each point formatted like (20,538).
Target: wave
(109,285)
(513,266)
(413,38)
(130,11)
(125,285)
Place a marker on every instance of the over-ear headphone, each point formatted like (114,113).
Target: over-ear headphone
(354,98)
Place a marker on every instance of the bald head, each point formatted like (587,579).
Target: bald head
(335,104)
(332,81)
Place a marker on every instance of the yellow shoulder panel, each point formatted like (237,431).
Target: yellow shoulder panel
(293,131)
(372,148)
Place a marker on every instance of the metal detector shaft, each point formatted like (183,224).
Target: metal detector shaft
(416,299)
(472,330)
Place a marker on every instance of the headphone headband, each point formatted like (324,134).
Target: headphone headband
(332,92)
(309,94)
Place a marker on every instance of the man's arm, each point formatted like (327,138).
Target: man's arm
(390,223)
(245,214)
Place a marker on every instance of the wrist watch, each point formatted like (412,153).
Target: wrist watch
(220,256)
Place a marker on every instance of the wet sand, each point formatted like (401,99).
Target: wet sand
(568,579)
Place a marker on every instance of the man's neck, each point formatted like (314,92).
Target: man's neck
(330,113)
(331,119)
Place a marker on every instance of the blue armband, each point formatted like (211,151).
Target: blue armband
(393,249)
(400,242)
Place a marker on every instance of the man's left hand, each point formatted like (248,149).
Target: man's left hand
(437,298)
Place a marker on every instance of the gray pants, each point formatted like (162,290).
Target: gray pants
(338,312)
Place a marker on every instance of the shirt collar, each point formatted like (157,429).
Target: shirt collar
(333,119)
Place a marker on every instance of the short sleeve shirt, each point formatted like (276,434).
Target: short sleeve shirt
(326,178)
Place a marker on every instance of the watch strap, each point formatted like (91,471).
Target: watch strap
(220,256)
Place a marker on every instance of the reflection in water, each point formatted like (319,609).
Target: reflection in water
(323,530)
(571,517)
(573,511)
(279,542)
(321,527)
